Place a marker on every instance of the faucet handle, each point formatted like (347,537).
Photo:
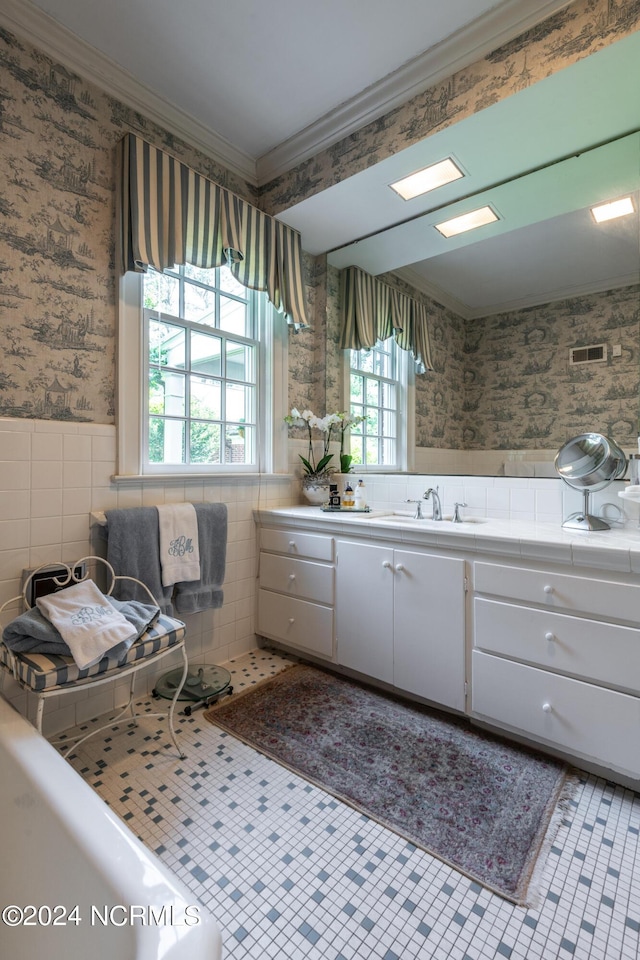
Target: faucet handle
(418,513)
(456,512)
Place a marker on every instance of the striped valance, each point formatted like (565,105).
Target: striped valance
(169,215)
(372,311)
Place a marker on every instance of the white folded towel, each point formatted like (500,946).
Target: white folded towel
(179,550)
(87,622)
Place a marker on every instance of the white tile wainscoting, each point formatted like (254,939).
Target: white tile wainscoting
(53,474)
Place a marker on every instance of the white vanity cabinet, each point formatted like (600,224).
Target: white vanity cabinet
(400,619)
(296,590)
(556,657)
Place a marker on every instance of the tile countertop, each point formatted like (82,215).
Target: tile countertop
(616,550)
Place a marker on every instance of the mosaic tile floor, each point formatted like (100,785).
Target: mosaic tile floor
(289,872)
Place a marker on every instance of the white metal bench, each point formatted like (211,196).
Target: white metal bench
(48,676)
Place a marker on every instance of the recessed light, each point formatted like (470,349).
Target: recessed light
(422,181)
(609,211)
(468,221)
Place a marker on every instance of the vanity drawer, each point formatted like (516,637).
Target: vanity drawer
(298,622)
(313,546)
(580,718)
(297,578)
(601,598)
(590,649)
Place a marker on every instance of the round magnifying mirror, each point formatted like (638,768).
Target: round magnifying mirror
(589,462)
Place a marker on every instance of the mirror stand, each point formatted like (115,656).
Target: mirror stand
(584,520)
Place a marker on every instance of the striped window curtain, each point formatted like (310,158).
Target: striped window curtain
(169,215)
(372,311)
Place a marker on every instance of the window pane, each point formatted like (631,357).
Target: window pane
(206,353)
(239,403)
(356,448)
(166,441)
(201,274)
(372,424)
(371,450)
(357,389)
(166,345)
(229,284)
(239,362)
(166,393)
(389,423)
(389,395)
(373,391)
(206,398)
(199,305)
(161,293)
(233,316)
(382,364)
(366,361)
(204,442)
(237,447)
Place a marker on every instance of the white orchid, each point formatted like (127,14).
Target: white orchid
(324,425)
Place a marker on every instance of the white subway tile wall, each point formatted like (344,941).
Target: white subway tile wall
(52,475)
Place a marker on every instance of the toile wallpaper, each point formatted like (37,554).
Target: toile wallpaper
(58,283)
(57,274)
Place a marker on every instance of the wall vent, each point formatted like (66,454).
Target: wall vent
(596,353)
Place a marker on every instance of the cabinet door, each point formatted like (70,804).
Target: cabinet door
(429,639)
(364,609)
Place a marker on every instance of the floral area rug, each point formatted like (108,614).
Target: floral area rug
(480,804)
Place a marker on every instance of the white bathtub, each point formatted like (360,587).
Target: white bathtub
(62,848)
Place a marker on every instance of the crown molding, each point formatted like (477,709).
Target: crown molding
(416,280)
(31,23)
(412,277)
(468,45)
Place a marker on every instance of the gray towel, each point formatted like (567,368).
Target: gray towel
(133,550)
(31,632)
(195,595)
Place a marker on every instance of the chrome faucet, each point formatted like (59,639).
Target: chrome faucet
(437,506)
(418,514)
(456,513)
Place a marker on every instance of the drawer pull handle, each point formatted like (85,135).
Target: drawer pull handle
(400,567)
(548,589)
(292,576)
(547,708)
(549,636)
(386,564)
(292,619)
(292,543)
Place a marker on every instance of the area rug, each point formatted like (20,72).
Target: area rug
(482,805)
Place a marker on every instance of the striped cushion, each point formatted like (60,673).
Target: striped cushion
(41,672)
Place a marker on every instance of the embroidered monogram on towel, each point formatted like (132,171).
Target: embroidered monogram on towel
(179,550)
(86,621)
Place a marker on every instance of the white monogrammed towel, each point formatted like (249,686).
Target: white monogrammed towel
(179,551)
(87,622)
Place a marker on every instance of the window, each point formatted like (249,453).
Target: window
(211,375)
(379,392)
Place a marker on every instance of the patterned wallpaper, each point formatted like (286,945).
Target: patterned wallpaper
(57,278)
(570,35)
(520,390)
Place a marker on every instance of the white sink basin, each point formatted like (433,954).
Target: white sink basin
(409,517)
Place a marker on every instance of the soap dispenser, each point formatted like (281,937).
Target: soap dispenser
(348,499)
(360,499)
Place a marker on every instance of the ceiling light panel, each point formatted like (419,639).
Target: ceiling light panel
(429,178)
(468,221)
(609,211)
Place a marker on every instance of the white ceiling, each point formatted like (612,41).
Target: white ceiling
(259,74)
(261,86)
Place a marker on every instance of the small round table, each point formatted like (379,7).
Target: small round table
(203,686)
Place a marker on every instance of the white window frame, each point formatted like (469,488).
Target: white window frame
(272,334)
(406,425)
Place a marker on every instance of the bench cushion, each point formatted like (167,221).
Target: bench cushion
(41,672)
